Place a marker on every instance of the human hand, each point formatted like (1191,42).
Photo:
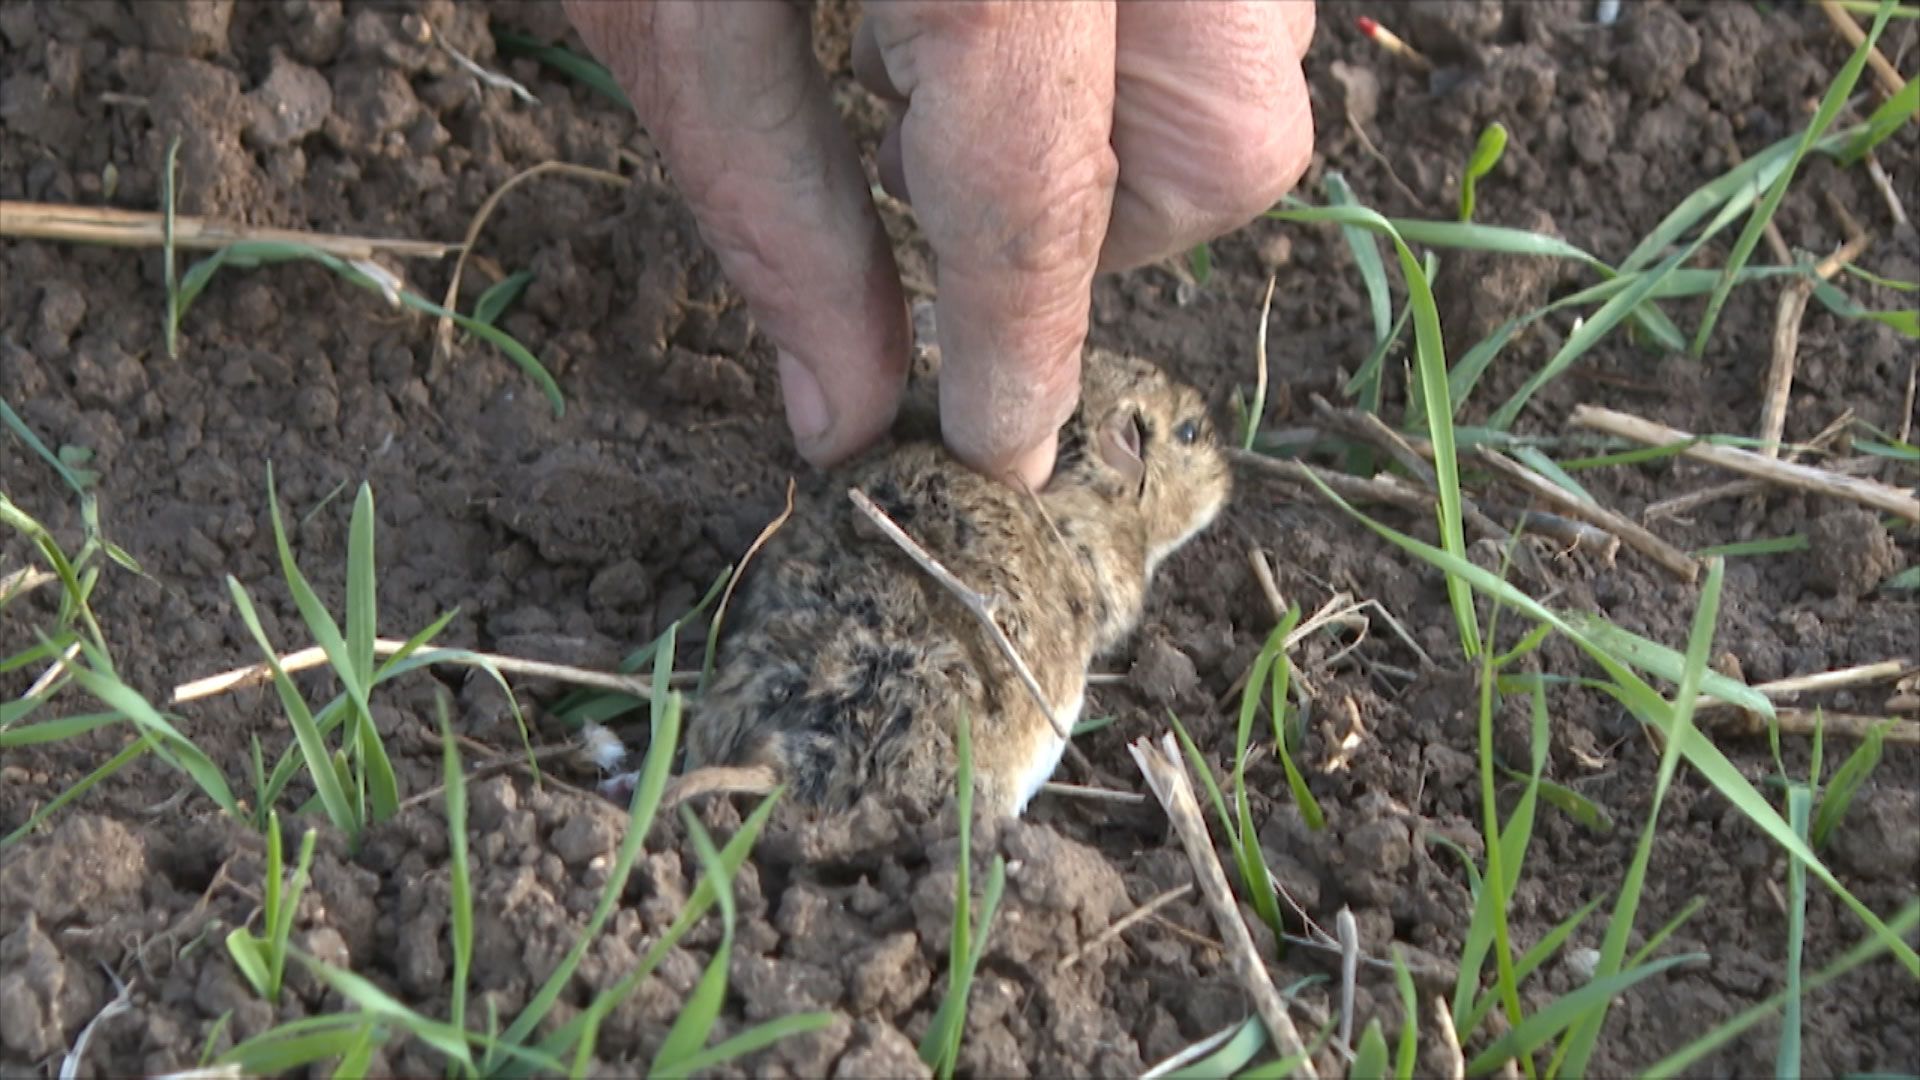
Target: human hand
(1038,143)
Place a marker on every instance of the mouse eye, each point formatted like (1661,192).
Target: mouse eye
(1187,432)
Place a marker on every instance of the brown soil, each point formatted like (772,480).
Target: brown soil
(578,537)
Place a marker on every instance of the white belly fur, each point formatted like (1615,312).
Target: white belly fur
(1048,759)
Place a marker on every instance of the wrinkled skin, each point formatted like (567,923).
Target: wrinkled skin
(1039,143)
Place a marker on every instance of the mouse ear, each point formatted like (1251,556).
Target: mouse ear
(1119,446)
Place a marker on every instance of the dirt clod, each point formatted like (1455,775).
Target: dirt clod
(1850,552)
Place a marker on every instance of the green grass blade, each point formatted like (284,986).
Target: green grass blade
(247,955)
(495,301)
(1289,1066)
(283,925)
(1657,659)
(646,801)
(1370,1059)
(359,1053)
(1279,676)
(1366,259)
(313,746)
(362,606)
(703,897)
(258,252)
(1250,1039)
(1694,1052)
(755,1039)
(26,435)
(1542,1025)
(1498,239)
(1595,327)
(459,876)
(1200,261)
(1205,772)
(80,787)
(387,667)
(1892,114)
(60,730)
(1407,1054)
(120,697)
(1846,783)
(697,1015)
(1787,1060)
(168,178)
(940,1047)
(1830,105)
(1613,946)
(1431,365)
(567,63)
(1486,155)
(1905,321)
(446,1038)
(1743,182)
(1530,962)
(1506,848)
(376,769)
(297,1044)
(1650,708)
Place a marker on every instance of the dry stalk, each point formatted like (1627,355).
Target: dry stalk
(1906,410)
(1884,184)
(1124,922)
(1804,722)
(1885,497)
(1351,488)
(443,333)
(739,568)
(1094,794)
(1167,776)
(1826,680)
(1449,1039)
(314,656)
(1576,535)
(23,581)
(1786,343)
(1631,533)
(1260,355)
(1263,574)
(1680,504)
(980,606)
(141,228)
(1890,80)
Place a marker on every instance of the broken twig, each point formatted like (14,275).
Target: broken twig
(1631,533)
(140,228)
(314,656)
(1167,775)
(980,606)
(1901,504)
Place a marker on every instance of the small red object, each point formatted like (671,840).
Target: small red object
(1367,26)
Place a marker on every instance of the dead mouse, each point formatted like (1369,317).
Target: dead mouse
(843,666)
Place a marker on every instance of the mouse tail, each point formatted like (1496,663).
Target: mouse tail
(720,780)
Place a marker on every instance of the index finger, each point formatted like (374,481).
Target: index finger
(1005,145)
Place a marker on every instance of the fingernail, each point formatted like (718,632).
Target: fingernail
(806,403)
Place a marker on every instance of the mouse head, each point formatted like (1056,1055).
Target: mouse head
(1147,442)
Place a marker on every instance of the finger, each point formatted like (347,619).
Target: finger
(1300,24)
(1212,121)
(1005,147)
(733,98)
